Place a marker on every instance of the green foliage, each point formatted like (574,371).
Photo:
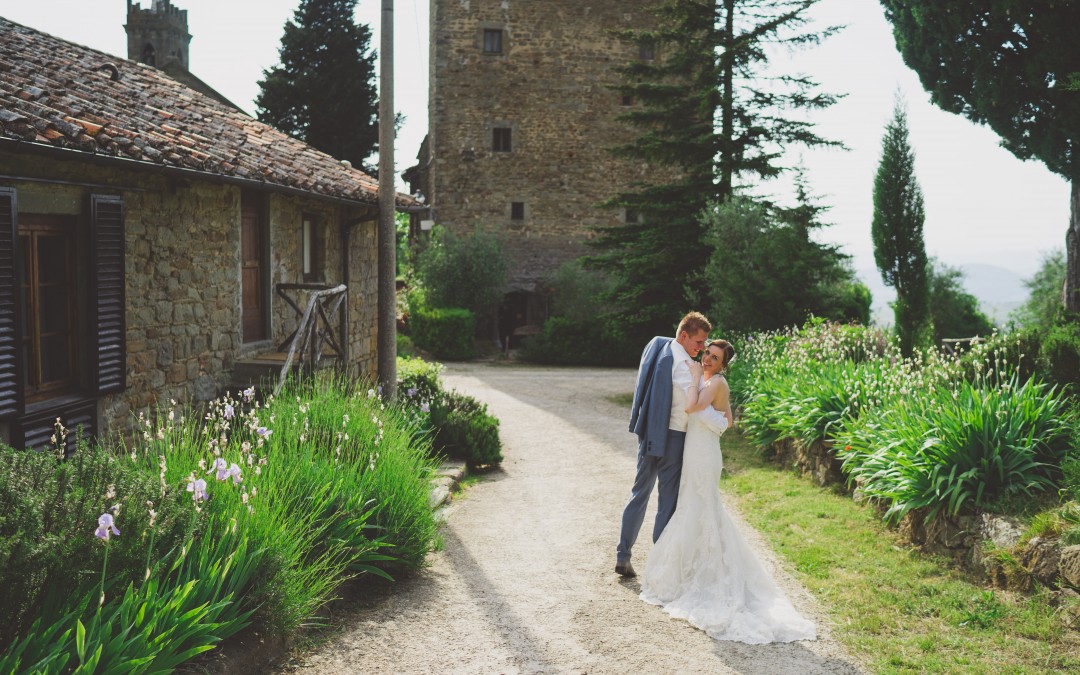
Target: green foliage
(462,271)
(48,509)
(325,483)
(705,118)
(446,333)
(897,231)
(580,330)
(1043,306)
(1060,354)
(952,449)
(324,92)
(1009,64)
(928,433)
(954,312)
(766,272)
(465,430)
(1070,478)
(419,375)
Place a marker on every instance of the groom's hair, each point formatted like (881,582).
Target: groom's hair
(694,322)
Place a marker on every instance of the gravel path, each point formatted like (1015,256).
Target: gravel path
(525,583)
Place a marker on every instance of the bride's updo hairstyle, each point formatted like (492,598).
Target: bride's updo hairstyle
(727,350)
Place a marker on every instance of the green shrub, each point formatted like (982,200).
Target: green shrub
(468,272)
(405,346)
(565,342)
(419,376)
(465,430)
(1070,478)
(446,333)
(48,510)
(1060,354)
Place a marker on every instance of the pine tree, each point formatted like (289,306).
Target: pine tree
(324,90)
(897,231)
(708,116)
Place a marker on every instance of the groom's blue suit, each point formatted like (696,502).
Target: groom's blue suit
(660,449)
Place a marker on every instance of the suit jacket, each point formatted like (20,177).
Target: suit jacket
(651,413)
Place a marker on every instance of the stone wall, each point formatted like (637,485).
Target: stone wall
(182,274)
(549,86)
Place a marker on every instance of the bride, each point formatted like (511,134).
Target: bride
(701,569)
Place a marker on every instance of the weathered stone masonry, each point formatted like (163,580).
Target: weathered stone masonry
(549,84)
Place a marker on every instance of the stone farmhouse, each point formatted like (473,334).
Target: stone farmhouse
(521,120)
(155,240)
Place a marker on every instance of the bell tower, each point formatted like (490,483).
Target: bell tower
(158,36)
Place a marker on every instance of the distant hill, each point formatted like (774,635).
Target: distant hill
(998,289)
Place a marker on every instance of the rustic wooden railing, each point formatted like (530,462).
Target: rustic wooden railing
(315,333)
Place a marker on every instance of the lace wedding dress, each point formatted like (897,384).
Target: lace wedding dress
(702,570)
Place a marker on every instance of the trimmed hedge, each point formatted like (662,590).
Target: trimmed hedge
(446,333)
(465,430)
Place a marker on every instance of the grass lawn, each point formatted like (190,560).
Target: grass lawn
(896,609)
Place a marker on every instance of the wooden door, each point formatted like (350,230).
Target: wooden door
(252,267)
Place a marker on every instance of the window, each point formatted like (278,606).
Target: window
(47,295)
(646,51)
(627,100)
(500,139)
(517,210)
(62,312)
(493,41)
(313,247)
(632,215)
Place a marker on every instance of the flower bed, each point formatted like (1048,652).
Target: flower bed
(138,558)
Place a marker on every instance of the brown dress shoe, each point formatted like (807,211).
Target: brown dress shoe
(625,569)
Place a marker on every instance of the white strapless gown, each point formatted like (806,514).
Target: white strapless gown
(702,570)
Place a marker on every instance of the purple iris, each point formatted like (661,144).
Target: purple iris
(105,527)
(198,488)
(234,473)
(221,467)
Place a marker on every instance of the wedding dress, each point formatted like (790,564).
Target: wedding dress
(702,570)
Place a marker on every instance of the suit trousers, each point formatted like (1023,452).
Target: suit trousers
(666,471)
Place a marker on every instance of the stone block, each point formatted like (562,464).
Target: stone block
(164,353)
(1069,565)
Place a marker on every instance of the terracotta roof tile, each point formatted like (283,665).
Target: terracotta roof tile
(64,95)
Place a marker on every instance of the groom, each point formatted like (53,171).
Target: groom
(659,420)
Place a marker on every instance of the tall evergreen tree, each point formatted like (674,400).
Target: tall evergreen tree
(324,90)
(1009,64)
(708,114)
(897,231)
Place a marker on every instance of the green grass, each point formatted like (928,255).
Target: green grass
(895,609)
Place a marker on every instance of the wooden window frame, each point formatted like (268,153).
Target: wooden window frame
(312,248)
(492,40)
(33,228)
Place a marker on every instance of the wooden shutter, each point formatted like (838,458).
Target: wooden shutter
(108,356)
(10,389)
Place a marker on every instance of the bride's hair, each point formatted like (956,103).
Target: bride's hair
(726,348)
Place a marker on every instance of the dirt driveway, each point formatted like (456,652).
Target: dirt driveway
(525,583)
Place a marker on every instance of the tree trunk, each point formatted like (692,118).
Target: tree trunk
(1071,292)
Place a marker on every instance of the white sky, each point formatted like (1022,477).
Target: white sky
(982,204)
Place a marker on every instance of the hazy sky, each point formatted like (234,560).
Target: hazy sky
(982,204)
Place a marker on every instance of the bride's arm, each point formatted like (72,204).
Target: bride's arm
(693,395)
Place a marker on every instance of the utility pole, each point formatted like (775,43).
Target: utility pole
(387,307)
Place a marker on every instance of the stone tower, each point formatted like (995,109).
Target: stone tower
(158,36)
(521,119)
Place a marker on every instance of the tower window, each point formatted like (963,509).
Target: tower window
(500,139)
(517,210)
(493,41)
(627,100)
(149,55)
(646,50)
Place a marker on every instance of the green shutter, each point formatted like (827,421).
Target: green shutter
(108,356)
(10,399)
